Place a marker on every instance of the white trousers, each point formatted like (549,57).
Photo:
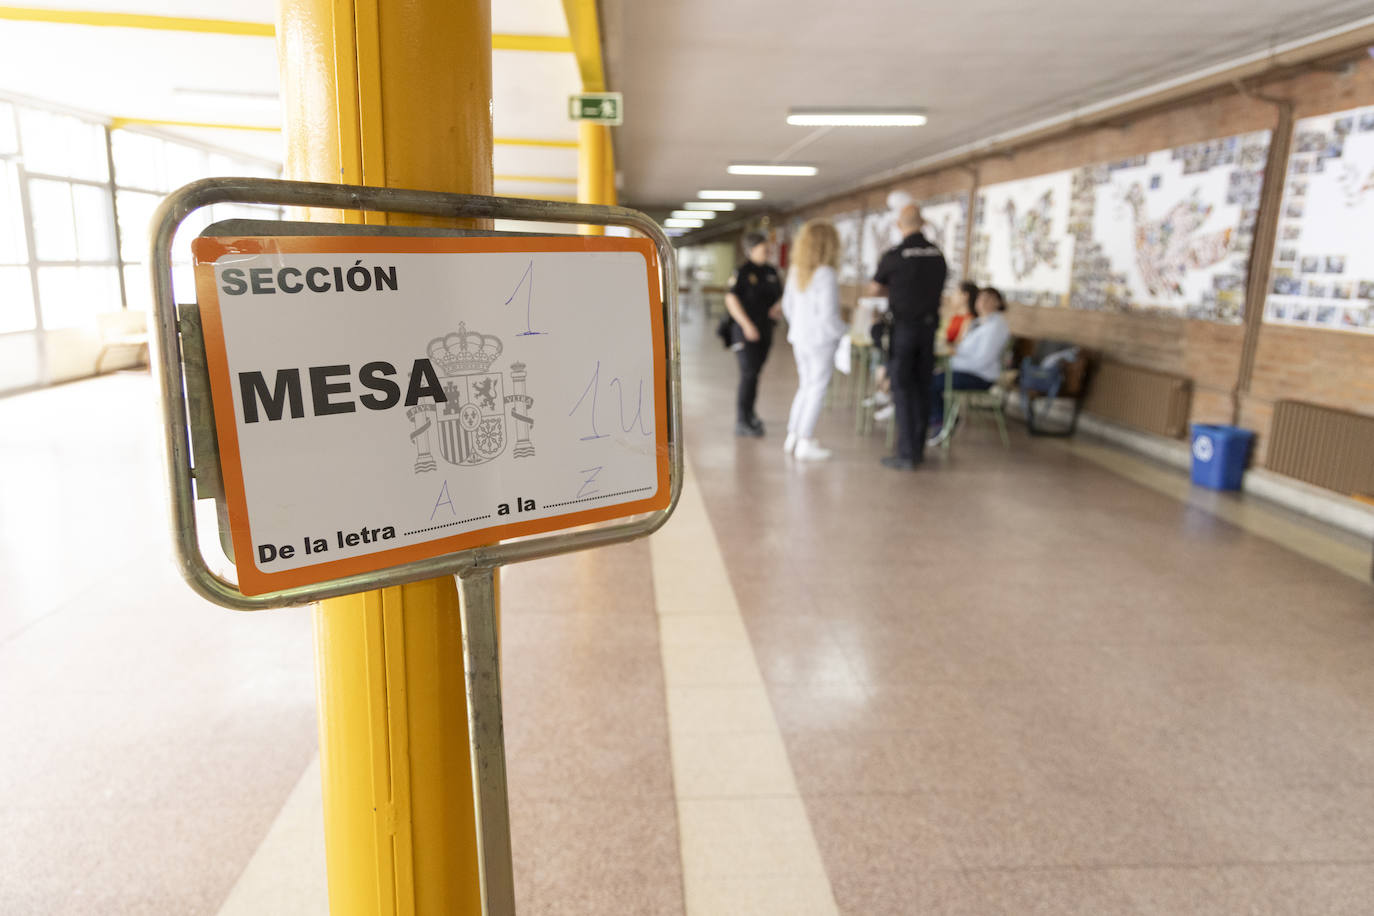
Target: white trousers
(813,375)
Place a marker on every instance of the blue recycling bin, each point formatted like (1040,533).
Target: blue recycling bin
(1219,454)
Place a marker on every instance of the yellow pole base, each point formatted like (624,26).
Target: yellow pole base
(400,834)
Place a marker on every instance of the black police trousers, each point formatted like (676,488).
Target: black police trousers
(910,368)
(751,355)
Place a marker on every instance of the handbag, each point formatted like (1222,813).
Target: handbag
(725,331)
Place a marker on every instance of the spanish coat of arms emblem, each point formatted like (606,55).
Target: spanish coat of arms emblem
(470,423)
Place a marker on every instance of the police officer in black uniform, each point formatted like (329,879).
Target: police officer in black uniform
(753,303)
(912,276)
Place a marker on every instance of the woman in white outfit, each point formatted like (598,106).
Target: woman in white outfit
(811,304)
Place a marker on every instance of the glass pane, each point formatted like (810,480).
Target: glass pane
(138,288)
(62,145)
(73,296)
(140,161)
(16,300)
(94,223)
(220,164)
(54,230)
(184,282)
(184,165)
(9,140)
(135,218)
(13,247)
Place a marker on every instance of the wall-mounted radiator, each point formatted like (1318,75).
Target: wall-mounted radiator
(1322,445)
(1155,402)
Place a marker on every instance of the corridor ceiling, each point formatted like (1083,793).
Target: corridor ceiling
(175,76)
(706,82)
(710,82)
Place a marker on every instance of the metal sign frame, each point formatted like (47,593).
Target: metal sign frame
(180,347)
(175,349)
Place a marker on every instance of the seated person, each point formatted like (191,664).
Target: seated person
(882,388)
(977,362)
(968,296)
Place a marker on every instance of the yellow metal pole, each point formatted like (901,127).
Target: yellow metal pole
(593,147)
(595,164)
(608,182)
(394,93)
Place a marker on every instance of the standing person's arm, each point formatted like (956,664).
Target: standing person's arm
(878,285)
(736,310)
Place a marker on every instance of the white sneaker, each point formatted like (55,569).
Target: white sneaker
(877,399)
(810,450)
(789,443)
(883,414)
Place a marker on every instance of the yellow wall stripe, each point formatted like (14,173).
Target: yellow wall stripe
(527,141)
(500,41)
(117,123)
(138,21)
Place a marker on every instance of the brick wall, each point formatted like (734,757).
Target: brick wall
(1327,367)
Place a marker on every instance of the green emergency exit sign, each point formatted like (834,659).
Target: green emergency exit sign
(602,107)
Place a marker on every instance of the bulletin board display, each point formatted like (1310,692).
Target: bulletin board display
(945,223)
(1169,231)
(1323,270)
(1021,239)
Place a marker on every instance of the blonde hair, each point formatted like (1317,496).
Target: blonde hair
(817,243)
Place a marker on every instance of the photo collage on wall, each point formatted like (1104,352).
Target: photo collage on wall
(850,228)
(1323,270)
(1169,231)
(945,223)
(865,236)
(1021,239)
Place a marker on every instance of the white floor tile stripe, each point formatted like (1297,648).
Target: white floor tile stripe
(747,844)
(286,876)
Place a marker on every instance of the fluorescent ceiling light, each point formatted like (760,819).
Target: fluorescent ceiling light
(746,168)
(678,223)
(855,117)
(722,205)
(693,214)
(730,195)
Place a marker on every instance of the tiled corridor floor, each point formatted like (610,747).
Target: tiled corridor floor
(1013,682)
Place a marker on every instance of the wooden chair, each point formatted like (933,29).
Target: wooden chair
(992,401)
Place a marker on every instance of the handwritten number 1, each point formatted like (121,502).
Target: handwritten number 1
(591,387)
(527,281)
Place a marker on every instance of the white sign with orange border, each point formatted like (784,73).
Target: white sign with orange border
(385,400)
